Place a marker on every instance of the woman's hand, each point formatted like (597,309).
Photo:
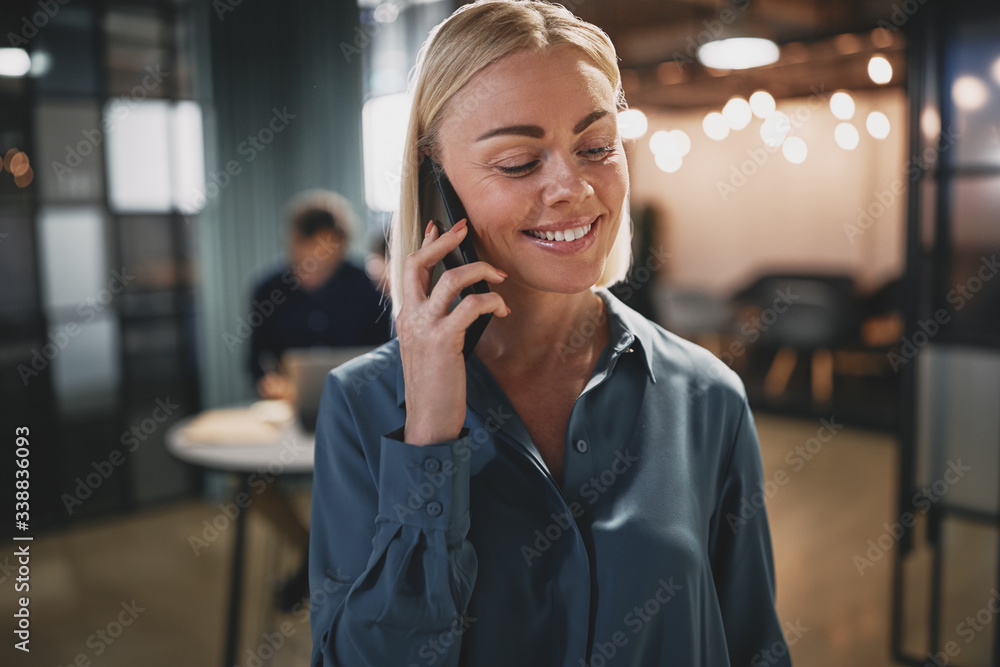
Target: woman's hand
(431,338)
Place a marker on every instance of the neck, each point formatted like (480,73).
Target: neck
(544,328)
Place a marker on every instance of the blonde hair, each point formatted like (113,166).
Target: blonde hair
(473,37)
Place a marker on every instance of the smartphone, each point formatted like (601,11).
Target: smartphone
(439,199)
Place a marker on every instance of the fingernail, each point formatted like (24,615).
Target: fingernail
(502,273)
(427,229)
(460,224)
(508,310)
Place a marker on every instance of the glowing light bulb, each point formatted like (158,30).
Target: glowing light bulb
(842,105)
(775,128)
(879,70)
(878,125)
(795,150)
(715,126)
(737,113)
(846,136)
(632,124)
(761,103)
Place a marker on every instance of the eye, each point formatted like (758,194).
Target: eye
(595,154)
(519,170)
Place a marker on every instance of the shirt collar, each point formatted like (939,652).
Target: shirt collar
(629,331)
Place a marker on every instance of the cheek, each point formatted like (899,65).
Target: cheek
(615,181)
(499,207)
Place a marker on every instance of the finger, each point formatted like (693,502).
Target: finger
(472,306)
(419,265)
(436,249)
(453,281)
(430,233)
(417,279)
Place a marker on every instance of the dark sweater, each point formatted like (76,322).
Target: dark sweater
(346,310)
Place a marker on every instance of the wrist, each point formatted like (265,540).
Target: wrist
(414,434)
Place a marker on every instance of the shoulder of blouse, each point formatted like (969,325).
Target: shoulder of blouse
(372,377)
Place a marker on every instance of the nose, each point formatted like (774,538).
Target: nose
(565,182)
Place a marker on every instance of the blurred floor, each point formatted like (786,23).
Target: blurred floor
(822,515)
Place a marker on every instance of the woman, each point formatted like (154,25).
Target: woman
(573,494)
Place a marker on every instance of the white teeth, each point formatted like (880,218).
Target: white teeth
(563,234)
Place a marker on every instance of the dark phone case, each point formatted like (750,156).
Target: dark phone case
(433,177)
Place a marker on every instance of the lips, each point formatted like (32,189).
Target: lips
(563,238)
(567,234)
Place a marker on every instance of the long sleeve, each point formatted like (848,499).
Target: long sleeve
(741,556)
(391,571)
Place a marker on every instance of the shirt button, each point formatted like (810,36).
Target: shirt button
(581,446)
(432,465)
(434,508)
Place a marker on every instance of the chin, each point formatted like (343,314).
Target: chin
(308,285)
(567,282)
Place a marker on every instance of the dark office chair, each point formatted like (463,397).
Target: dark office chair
(811,314)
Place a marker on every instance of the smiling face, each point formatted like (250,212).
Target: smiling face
(531,146)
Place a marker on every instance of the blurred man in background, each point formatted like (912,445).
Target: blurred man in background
(317,299)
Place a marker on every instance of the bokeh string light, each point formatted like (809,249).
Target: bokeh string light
(16,163)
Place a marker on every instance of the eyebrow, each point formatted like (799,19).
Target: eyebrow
(537,132)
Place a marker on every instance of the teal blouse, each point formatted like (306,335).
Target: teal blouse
(468,552)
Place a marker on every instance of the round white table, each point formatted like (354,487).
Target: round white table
(284,451)
(291,451)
